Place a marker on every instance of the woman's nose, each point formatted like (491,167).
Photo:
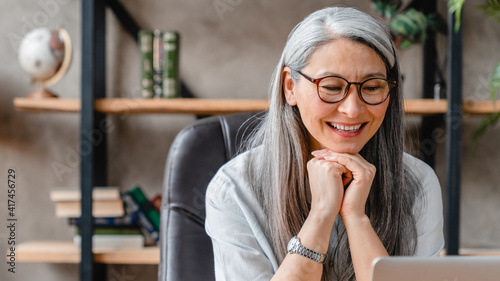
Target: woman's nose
(352,105)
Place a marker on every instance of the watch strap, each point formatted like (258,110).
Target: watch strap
(294,246)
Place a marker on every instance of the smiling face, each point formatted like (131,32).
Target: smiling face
(346,126)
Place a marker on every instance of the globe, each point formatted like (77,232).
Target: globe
(45,55)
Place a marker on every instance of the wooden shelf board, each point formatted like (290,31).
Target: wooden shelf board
(186,106)
(475,252)
(481,107)
(479,252)
(47,105)
(67,252)
(425,106)
(144,106)
(217,106)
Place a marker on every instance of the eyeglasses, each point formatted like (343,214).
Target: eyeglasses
(333,89)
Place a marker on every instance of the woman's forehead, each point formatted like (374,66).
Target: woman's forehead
(342,57)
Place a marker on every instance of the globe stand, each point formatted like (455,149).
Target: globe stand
(41,93)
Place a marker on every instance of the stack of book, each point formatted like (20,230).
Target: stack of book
(159,63)
(106,202)
(120,220)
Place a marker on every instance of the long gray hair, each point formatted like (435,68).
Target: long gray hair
(278,174)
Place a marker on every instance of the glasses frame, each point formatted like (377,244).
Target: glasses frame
(392,84)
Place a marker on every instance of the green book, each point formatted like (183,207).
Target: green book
(146,51)
(171,84)
(145,206)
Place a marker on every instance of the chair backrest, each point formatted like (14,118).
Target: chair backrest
(196,154)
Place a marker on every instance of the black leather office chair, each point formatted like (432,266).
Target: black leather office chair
(196,154)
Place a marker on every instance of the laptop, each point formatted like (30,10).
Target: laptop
(449,268)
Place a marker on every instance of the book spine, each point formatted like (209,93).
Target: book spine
(171,83)
(101,209)
(133,241)
(147,226)
(114,231)
(99,193)
(129,220)
(145,206)
(157,63)
(146,50)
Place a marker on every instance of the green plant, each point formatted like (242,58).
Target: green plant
(387,8)
(409,25)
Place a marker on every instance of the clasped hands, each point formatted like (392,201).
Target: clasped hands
(339,183)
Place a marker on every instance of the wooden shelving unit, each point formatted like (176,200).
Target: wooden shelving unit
(67,252)
(218,106)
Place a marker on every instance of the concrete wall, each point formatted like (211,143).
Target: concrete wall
(225,55)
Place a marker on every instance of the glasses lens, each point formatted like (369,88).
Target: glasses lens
(375,90)
(332,89)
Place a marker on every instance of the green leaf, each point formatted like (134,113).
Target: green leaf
(405,44)
(411,25)
(387,8)
(495,81)
(488,121)
(491,8)
(455,6)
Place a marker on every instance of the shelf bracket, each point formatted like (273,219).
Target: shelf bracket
(124,17)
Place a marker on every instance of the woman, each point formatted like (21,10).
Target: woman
(325,187)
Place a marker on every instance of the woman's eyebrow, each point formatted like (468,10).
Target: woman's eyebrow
(374,74)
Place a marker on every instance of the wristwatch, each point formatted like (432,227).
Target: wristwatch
(294,246)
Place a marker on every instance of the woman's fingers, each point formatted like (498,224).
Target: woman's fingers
(326,185)
(362,170)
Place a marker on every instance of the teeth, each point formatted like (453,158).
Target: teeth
(345,128)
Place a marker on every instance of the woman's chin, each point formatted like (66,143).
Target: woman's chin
(339,147)
(348,149)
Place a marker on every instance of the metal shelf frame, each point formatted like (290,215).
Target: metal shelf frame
(453,121)
(453,138)
(93,139)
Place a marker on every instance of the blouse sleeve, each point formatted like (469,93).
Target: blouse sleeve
(429,213)
(237,239)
